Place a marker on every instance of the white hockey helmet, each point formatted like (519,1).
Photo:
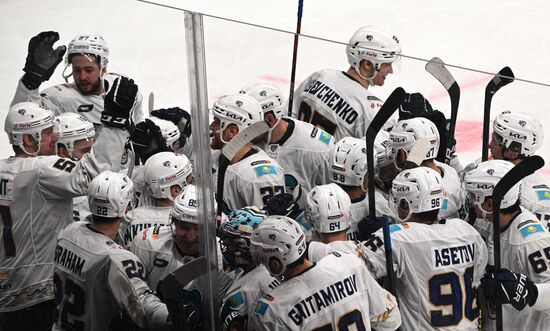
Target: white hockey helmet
(239,109)
(185,206)
(169,130)
(27,118)
(482,179)
(519,130)
(328,208)
(373,44)
(419,190)
(268,95)
(71,127)
(92,44)
(110,194)
(407,132)
(277,237)
(164,169)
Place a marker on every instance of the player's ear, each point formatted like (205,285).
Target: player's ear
(175,190)
(29,141)
(275,266)
(233,130)
(488,204)
(62,151)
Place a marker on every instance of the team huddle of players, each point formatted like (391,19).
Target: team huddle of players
(91,237)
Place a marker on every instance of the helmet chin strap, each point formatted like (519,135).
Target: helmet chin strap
(403,220)
(370,79)
(484,214)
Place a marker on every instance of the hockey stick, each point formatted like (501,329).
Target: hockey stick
(228,153)
(436,67)
(151,101)
(504,77)
(514,176)
(389,107)
(295,55)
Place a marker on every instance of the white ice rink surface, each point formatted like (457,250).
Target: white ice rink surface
(148,43)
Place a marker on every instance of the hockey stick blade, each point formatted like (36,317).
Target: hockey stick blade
(436,67)
(514,176)
(191,270)
(418,153)
(504,77)
(228,153)
(151,101)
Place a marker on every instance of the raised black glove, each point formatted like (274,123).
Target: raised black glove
(118,103)
(176,115)
(283,204)
(147,140)
(414,105)
(42,59)
(369,225)
(184,306)
(443,126)
(504,286)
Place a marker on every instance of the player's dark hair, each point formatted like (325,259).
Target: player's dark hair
(515,208)
(299,261)
(427,216)
(104,220)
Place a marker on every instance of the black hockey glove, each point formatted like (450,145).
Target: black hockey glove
(176,115)
(147,140)
(505,286)
(42,59)
(414,105)
(369,225)
(119,102)
(443,126)
(184,306)
(283,204)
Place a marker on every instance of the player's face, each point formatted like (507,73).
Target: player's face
(385,70)
(496,147)
(86,74)
(186,236)
(48,142)
(215,141)
(81,147)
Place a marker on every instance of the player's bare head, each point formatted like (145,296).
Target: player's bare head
(373,53)
(406,133)
(75,135)
(30,129)
(417,195)
(232,114)
(87,55)
(480,183)
(110,195)
(184,221)
(167,174)
(329,209)
(515,136)
(235,232)
(279,244)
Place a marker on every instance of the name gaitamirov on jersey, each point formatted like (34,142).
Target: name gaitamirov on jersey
(446,256)
(333,100)
(322,299)
(69,260)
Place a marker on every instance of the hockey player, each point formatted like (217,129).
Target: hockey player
(328,207)
(75,137)
(36,201)
(349,171)
(300,148)
(524,241)
(95,279)
(438,262)
(337,292)
(253,280)
(516,136)
(403,137)
(339,102)
(166,175)
(88,56)
(182,120)
(252,176)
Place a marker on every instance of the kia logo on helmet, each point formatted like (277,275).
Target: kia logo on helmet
(518,136)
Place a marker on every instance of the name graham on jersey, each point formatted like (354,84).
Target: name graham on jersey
(333,100)
(69,260)
(322,299)
(443,257)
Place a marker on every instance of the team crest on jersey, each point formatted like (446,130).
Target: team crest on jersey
(530,229)
(543,194)
(265,170)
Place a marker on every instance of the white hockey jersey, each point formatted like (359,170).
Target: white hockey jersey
(360,209)
(142,218)
(252,180)
(36,201)
(455,195)
(525,248)
(535,196)
(64,98)
(95,279)
(335,102)
(337,293)
(303,153)
(437,269)
(242,295)
(81,208)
